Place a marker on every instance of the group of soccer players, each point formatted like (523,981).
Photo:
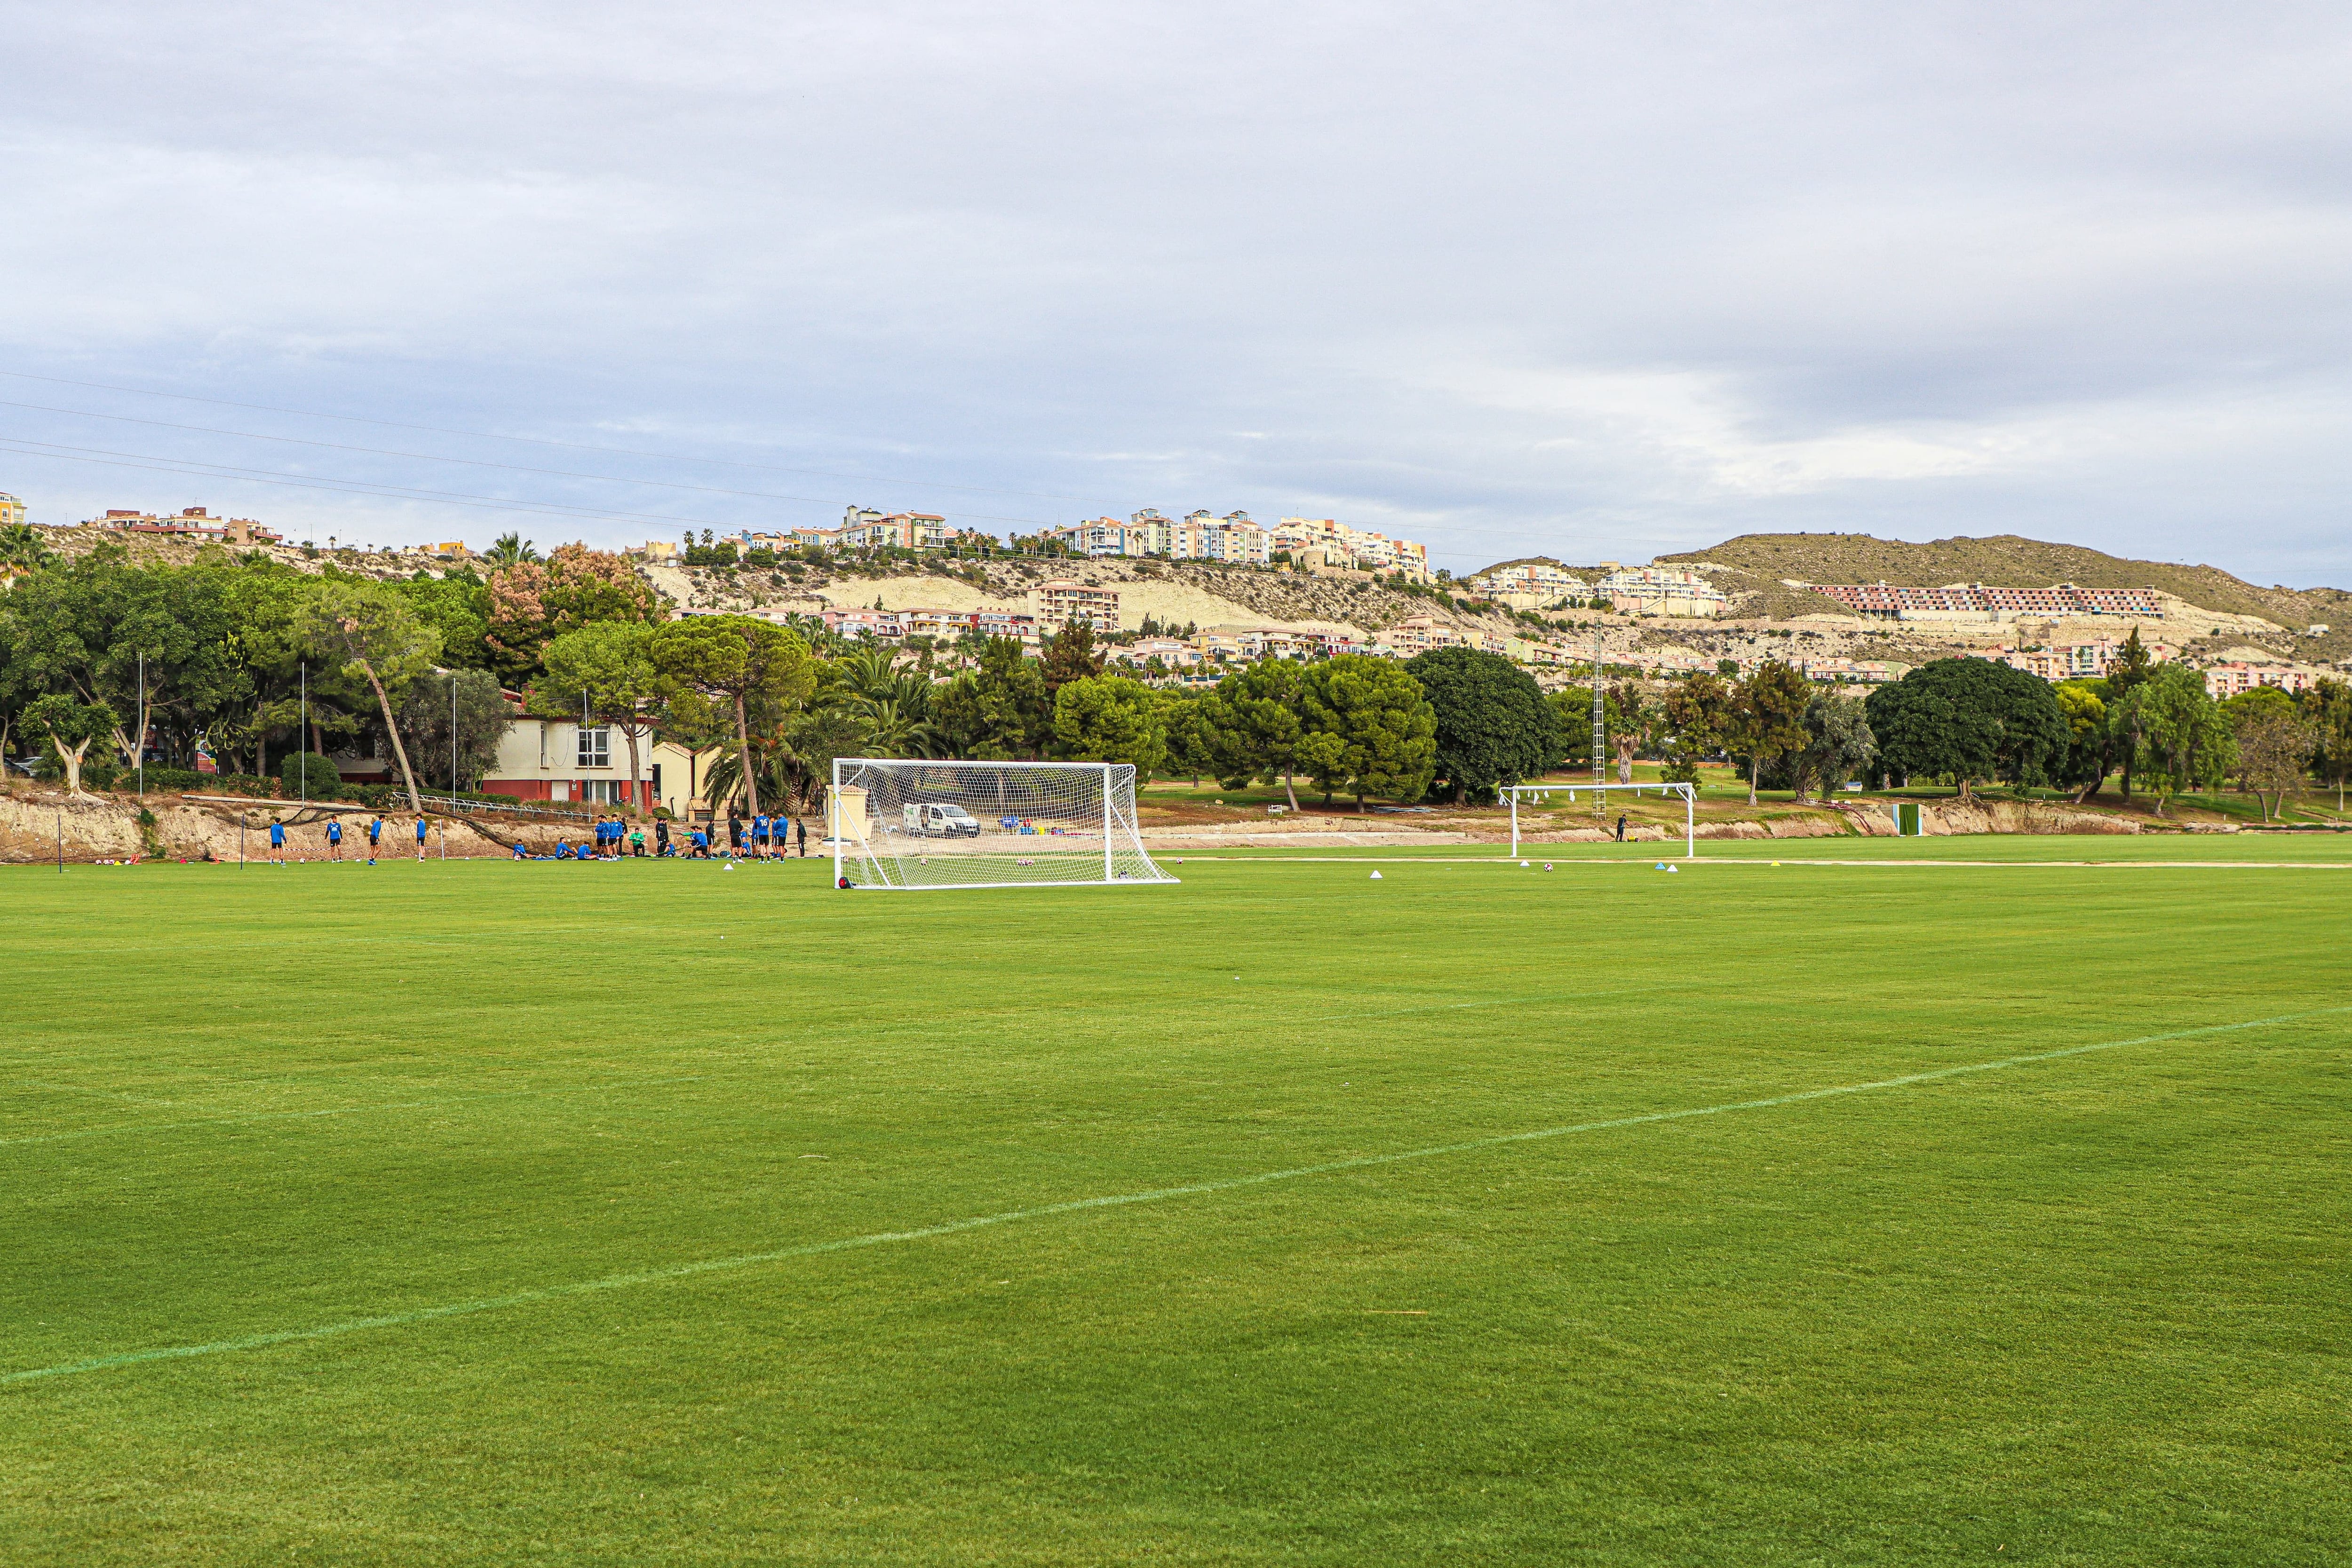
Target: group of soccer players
(764,837)
(335,839)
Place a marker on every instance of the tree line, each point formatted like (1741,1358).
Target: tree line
(266,667)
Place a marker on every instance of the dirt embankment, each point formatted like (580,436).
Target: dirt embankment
(41,825)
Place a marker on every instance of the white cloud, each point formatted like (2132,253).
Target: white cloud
(1580,277)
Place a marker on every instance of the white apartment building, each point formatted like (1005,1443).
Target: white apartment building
(1332,543)
(1419,634)
(1658,591)
(1056,604)
(1534,579)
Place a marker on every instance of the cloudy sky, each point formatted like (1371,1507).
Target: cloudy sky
(1594,282)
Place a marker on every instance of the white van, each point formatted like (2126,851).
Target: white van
(939,819)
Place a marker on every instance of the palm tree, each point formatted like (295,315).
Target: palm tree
(22,546)
(511,549)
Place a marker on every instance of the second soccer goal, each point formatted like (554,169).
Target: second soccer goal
(906,823)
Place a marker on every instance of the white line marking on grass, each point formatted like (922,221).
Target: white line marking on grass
(1077,1205)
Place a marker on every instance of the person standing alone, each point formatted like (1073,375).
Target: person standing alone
(334,838)
(375,835)
(276,842)
(420,840)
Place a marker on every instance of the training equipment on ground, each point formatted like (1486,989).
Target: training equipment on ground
(1376,876)
(908,823)
(1548,793)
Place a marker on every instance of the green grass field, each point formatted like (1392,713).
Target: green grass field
(508,1213)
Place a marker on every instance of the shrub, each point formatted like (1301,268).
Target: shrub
(308,773)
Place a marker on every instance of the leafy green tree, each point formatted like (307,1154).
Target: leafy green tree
(85,626)
(481,719)
(1766,721)
(1494,727)
(311,776)
(1258,725)
(1693,715)
(740,664)
(1111,719)
(999,711)
(2242,712)
(370,632)
(458,607)
(1838,743)
(607,669)
(1071,655)
(23,548)
(2090,745)
(1191,734)
(1971,719)
(70,725)
(2183,736)
(2329,707)
(1370,729)
(2275,745)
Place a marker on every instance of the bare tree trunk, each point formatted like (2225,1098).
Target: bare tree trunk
(1287,790)
(415,804)
(1755,766)
(637,795)
(72,760)
(743,751)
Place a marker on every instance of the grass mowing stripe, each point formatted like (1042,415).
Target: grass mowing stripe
(444,1102)
(1077,1206)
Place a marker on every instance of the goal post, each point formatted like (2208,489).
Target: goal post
(1542,794)
(908,823)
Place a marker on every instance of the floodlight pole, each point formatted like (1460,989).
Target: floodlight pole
(143,724)
(302,740)
(1600,730)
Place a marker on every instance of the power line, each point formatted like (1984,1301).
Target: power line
(542,441)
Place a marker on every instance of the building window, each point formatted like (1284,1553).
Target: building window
(604,791)
(596,747)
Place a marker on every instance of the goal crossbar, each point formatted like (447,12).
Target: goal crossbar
(914,823)
(1536,794)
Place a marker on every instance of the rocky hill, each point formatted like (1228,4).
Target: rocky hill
(1756,568)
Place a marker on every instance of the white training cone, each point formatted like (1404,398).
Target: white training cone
(1673,869)
(1376,876)
(1523,864)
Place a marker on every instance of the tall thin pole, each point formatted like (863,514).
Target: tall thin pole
(61,843)
(832,817)
(143,724)
(1106,876)
(453,740)
(1600,730)
(302,740)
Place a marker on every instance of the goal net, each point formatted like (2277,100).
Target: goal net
(906,823)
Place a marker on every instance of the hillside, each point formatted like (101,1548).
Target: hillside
(1754,566)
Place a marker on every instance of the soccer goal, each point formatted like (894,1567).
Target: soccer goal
(907,823)
(1545,794)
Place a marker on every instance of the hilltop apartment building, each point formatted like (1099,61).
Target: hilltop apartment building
(192,523)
